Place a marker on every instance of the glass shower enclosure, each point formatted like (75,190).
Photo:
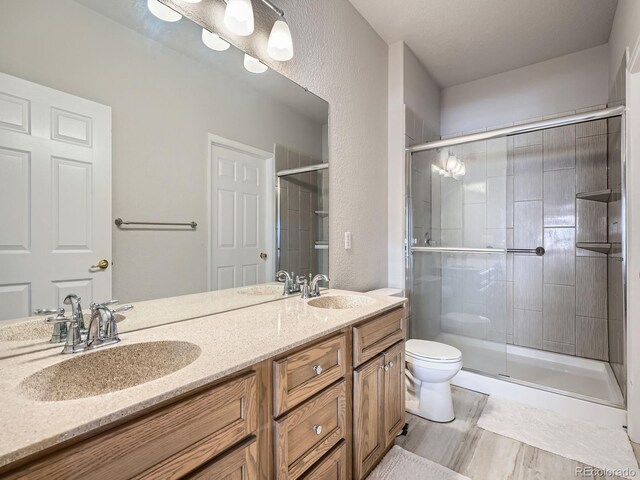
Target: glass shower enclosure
(516,252)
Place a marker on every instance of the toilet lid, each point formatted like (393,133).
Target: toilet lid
(433,351)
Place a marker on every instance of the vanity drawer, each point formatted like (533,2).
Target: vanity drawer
(167,443)
(303,436)
(301,375)
(332,467)
(372,337)
(241,463)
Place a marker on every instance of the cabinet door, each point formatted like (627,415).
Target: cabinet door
(368,416)
(332,467)
(394,386)
(239,464)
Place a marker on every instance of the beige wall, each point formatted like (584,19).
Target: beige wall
(414,117)
(561,84)
(164,104)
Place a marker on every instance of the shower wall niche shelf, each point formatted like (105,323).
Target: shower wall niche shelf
(321,245)
(321,213)
(595,246)
(603,196)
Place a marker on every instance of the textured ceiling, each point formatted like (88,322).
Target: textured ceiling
(463,40)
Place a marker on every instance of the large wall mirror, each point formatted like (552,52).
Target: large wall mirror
(138,163)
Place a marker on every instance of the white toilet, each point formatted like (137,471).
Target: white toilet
(429,368)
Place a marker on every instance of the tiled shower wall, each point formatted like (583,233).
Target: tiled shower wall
(557,302)
(300,227)
(560,300)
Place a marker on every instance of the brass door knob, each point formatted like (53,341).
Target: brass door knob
(102,264)
(263,256)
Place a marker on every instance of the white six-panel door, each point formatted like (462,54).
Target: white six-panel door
(55,197)
(238,217)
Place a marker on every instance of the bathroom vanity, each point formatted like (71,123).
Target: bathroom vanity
(284,390)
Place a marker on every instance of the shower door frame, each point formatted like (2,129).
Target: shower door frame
(611,112)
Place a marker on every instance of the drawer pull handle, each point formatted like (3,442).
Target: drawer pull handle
(387,366)
(317,429)
(317,369)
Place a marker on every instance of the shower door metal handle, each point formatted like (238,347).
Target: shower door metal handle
(537,251)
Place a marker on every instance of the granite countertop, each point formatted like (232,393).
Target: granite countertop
(146,314)
(229,342)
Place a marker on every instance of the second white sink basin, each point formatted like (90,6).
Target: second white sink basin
(341,301)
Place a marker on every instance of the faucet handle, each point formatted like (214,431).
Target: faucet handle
(59,318)
(94,305)
(48,311)
(123,308)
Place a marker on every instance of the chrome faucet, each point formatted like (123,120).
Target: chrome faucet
(314,287)
(59,334)
(76,310)
(291,282)
(305,292)
(102,331)
(311,289)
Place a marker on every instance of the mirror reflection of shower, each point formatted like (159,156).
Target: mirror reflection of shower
(302,213)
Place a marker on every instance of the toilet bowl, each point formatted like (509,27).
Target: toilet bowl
(429,368)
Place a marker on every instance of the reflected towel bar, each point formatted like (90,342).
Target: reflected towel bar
(119,222)
(539,251)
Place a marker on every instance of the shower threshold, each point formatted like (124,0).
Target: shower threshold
(578,387)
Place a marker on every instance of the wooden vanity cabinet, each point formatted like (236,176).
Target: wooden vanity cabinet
(378,392)
(327,410)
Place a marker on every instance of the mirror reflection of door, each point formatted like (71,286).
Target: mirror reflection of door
(55,197)
(242,215)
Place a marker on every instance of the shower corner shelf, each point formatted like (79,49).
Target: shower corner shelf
(603,196)
(599,247)
(321,213)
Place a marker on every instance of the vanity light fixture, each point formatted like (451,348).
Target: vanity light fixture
(238,17)
(163,12)
(453,168)
(280,46)
(254,65)
(213,41)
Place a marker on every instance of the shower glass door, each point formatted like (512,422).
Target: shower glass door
(459,232)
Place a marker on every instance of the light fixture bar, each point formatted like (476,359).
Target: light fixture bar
(278,11)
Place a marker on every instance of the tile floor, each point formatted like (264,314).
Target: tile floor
(481,455)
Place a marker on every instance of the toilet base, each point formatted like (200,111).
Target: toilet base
(433,402)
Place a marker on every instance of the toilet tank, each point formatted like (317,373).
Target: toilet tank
(388,292)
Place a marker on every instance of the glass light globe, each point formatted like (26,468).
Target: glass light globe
(213,41)
(254,65)
(163,12)
(280,46)
(238,17)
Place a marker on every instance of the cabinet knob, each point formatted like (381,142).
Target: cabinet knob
(317,369)
(390,364)
(317,429)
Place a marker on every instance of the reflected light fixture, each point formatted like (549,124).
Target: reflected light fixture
(238,17)
(163,12)
(454,168)
(213,41)
(280,46)
(254,65)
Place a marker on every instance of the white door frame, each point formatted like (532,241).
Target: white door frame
(269,222)
(633,248)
